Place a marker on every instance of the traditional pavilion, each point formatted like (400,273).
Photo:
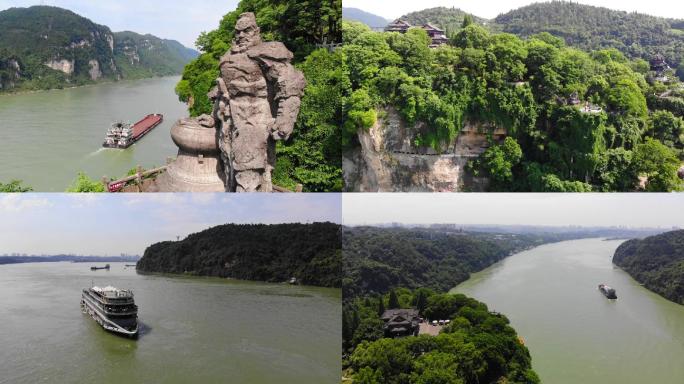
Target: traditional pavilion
(436,34)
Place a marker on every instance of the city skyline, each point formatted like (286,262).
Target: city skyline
(646,210)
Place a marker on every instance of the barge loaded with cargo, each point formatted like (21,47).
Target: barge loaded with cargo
(122,135)
(114,309)
(607,291)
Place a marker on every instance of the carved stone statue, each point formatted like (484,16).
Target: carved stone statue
(256,103)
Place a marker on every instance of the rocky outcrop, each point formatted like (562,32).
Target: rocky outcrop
(63,65)
(10,73)
(95,72)
(387,160)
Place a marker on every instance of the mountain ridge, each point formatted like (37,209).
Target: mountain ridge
(45,47)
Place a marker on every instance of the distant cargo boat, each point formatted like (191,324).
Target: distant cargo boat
(96,268)
(607,291)
(123,135)
(114,309)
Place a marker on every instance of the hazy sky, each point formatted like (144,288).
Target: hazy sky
(168,19)
(111,224)
(634,210)
(489,9)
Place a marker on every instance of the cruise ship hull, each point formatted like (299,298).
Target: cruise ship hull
(122,325)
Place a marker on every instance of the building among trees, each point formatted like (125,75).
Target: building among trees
(437,34)
(401,322)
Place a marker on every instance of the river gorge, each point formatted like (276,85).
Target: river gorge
(50,136)
(575,334)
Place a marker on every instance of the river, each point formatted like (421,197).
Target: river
(48,137)
(575,334)
(194,330)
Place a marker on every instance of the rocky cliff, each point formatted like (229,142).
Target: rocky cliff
(387,159)
(48,47)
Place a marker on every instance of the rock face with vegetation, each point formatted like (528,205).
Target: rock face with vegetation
(312,155)
(575,121)
(657,262)
(390,268)
(274,253)
(48,47)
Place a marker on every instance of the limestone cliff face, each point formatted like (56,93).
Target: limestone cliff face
(10,73)
(95,72)
(56,47)
(62,65)
(388,161)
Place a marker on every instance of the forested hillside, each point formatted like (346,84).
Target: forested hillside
(449,19)
(379,259)
(274,253)
(139,55)
(657,262)
(45,47)
(371,20)
(575,120)
(594,28)
(312,156)
(389,268)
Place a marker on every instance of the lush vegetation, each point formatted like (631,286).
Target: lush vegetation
(477,347)
(449,19)
(657,262)
(37,35)
(576,121)
(84,184)
(387,268)
(14,186)
(312,156)
(379,259)
(595,28)
(274,253)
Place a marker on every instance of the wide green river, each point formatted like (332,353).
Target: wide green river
(194,330)
(575,334)
(48,137)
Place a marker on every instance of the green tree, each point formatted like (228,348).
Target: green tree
(84,184)
(499,161)
(381,306)
(14,186)
(393,300)
(667,128)
(659,164)
(467,20)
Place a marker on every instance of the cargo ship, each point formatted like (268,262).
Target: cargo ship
(114,309)
(122,135)
(607,291)
(93,268)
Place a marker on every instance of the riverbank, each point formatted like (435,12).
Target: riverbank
(576,335)
(93,84)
